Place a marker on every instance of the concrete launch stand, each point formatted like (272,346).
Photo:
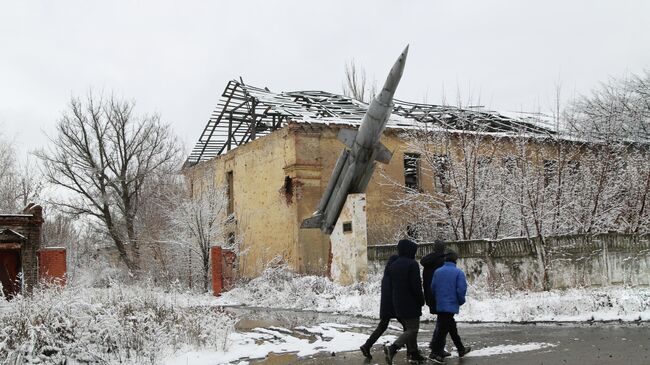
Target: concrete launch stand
(349,241)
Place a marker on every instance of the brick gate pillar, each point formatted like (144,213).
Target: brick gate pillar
(52,265)
(217,270)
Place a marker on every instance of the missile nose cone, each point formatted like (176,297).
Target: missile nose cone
(394,77)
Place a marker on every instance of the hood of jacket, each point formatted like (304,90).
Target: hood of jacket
(439,246)
(407,248)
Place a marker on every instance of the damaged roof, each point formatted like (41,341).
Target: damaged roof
(245,112)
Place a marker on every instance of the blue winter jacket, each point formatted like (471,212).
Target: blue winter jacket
(449,287)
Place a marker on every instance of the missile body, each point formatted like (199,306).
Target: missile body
(356,163)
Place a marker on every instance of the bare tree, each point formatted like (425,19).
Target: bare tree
(20,180)
(7,176)
(103,154)
(356,84)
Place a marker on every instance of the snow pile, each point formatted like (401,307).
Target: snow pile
(120,324)
(280,288)
(571,305)
(509,349)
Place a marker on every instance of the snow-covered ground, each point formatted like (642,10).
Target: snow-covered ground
(125,324)
(258,343)
(327,338)
(143,324)
(282,289)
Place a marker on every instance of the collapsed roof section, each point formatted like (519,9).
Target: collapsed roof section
(245,112)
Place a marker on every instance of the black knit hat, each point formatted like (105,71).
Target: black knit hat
(439,246)
(451,256)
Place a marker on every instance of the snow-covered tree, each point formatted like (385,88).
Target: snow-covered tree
(200,221)
(478,185)
(618,110)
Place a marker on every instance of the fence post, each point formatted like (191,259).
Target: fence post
(605,251)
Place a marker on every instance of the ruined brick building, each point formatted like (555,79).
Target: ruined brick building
(274,152)
(23,261)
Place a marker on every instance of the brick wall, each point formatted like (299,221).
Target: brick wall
(223,264)
(52,265)
(217,272)
(28,224)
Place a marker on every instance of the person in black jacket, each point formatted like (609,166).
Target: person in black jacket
(406,288)
(386,311)
(430,264)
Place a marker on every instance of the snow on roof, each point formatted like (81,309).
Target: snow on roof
(246,112)
(11,232)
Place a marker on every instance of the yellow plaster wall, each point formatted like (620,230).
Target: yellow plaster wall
(265,223)
(268,219)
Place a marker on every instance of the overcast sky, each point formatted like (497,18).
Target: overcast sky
(175,58)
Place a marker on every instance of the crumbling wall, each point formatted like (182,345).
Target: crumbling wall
(572,261)
(29,224)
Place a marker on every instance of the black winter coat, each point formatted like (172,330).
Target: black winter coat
(386,309)
(406,283)
(430,264)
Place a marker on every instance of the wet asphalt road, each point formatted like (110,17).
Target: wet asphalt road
(575,343)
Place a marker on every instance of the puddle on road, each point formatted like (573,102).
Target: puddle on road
(276,359)
(247,324)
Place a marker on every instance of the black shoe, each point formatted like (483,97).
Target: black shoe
(365,350)
(464,351)
(415,358)
(438,359)
(445,354)
(390,352)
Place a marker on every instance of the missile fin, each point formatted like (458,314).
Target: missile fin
(347,136)
(312,222)
(383,154)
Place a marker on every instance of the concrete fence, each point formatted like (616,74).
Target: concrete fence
(570,260)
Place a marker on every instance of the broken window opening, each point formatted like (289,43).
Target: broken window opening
(442,166)
(550,171)
(573,167)
(412,170)
(412,231)
(483,161)
(230,189)
(510,163)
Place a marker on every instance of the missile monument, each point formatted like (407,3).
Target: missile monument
(345,191)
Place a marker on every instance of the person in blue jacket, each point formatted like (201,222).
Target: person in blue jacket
(449,287)
(408,299)
(386,311)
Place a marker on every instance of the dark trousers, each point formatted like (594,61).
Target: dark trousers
(435,333)
(446,325)
(410,335)
(381,328)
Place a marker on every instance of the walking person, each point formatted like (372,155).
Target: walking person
(406,288)
(430,263)
(386,311)
(449,287)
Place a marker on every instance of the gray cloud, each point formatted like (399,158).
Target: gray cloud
(175,58)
